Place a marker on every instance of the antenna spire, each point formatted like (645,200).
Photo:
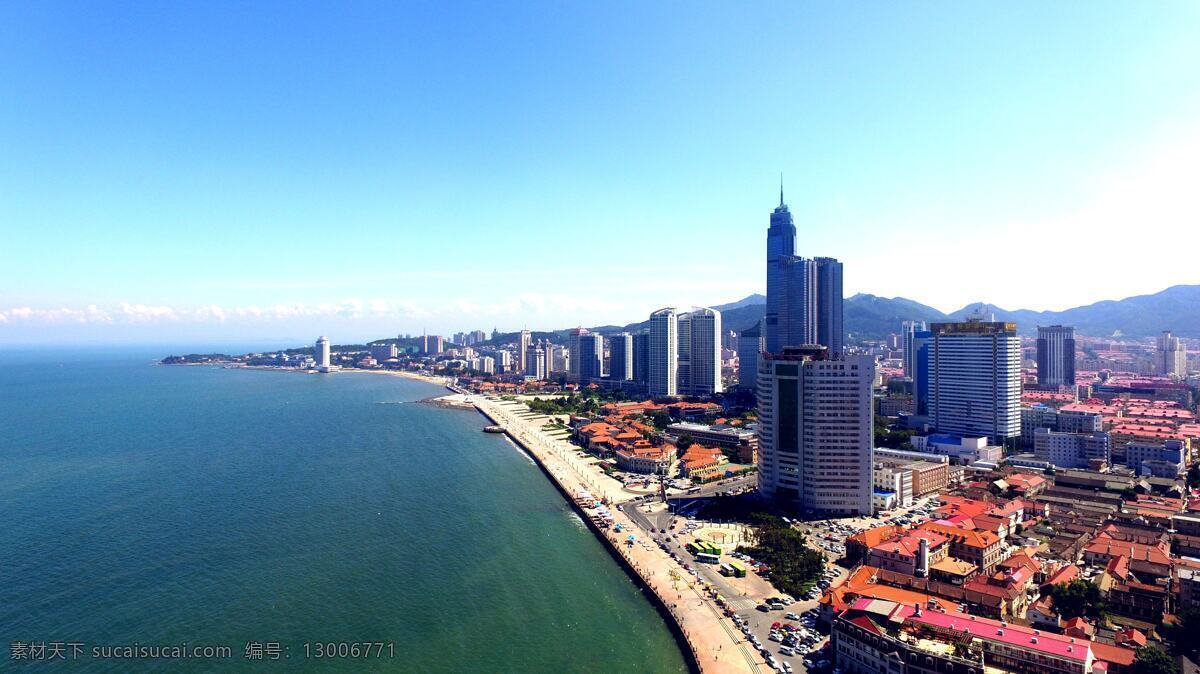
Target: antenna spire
(781,188)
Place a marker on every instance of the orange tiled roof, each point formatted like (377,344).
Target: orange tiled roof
(967,537)
(872,537)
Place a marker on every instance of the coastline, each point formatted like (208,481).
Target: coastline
(704,634)
(444,382)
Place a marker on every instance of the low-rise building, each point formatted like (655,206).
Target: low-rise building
(965,449)
(703,464)
(743,441)
(882,637)
(1071,450)
(911,553)
(896,480)
(930,472)
(1167,458)
(645,459)
(981,548)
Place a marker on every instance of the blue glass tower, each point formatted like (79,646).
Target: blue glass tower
(781,247)
(804,296)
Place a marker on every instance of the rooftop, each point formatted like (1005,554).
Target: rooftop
(986,629)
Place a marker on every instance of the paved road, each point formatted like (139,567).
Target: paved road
(746,607)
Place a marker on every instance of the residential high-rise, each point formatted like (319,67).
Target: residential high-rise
(816,430)
(1172,356)
(662,353)
(683,360)
(1056,355)
(524,340)
(641,357)
(535,361)
(560,360)
(830,330)
(699,339)
(383,352)
(591,357)
(975,380)
(907,330)
(750,344)
(321,352)
(550,352)
(503,361)
(574,344)
(620,361)
(432,344)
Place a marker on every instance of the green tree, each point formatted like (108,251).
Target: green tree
(1077,598)
(1151,660)
(793,564)
(1184,633)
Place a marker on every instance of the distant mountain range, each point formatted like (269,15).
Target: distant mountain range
(872,317)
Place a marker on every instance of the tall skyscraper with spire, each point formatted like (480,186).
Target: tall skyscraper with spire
(804,296)
(781,247)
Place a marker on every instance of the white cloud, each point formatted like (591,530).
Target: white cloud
(142,313)
(55,316)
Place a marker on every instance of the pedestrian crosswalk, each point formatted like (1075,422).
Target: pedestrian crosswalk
(739,604)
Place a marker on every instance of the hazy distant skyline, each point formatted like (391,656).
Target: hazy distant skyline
(266,171)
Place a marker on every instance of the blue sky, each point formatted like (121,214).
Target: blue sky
(267,171)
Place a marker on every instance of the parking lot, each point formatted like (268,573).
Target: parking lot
(782,629)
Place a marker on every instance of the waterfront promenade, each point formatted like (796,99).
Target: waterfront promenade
(713,641)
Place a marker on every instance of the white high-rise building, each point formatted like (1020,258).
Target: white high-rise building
(535,361)
(699,366)
(908,330)
(1172,356)
(816,430)
(487,365)
(503,361)
(975,380)
(547,358)
(321,352)
(524,340)
(560,359)
(663,353)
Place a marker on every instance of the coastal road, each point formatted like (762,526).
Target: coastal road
(707,631)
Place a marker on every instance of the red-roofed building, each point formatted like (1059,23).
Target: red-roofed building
(1064,575)
(1118,659)
(1151,560)
(981,548)
(911,553)
(949,641)
(702,464)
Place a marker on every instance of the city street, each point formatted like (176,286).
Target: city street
(742,596)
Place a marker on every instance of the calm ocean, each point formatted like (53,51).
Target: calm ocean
(160,505)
